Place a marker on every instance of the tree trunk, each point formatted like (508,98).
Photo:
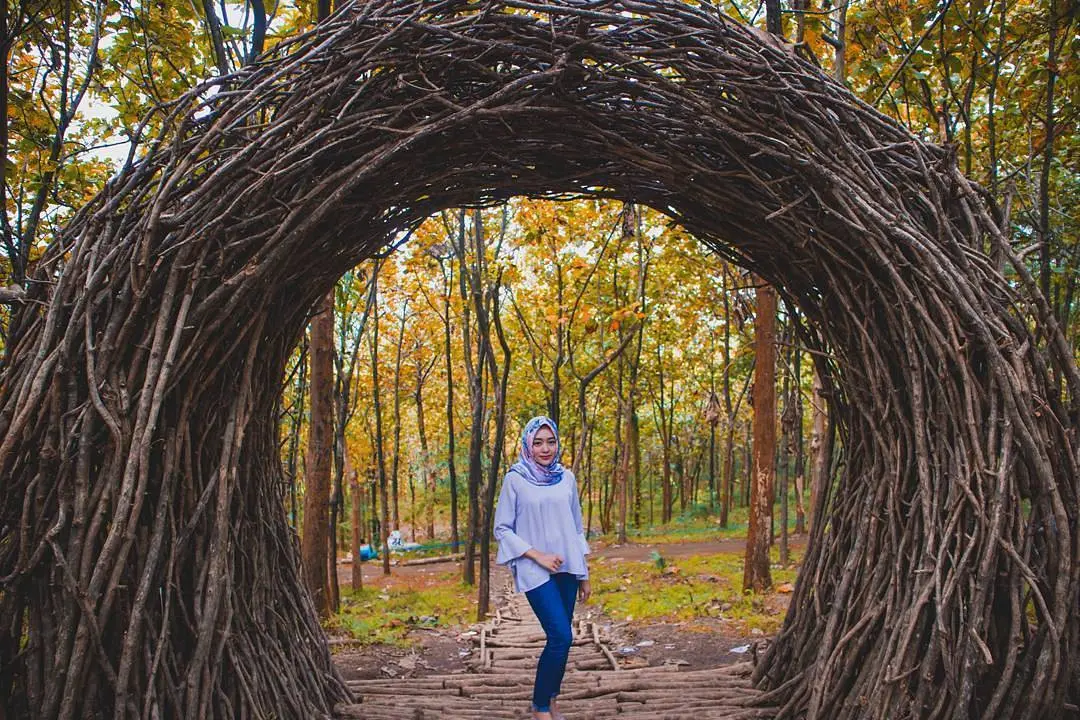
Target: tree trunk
(296,422)
(314,543)
(635,459)
(712,469)
(788,430)
(664,424)
(822,435)
(412,505)
(622,455)
(729,413)
(451,468)
(357,529)
(380,456)
(469,283)
(397,418)
(840,43)
(800,445)
(10,237)
(345,363)
(1050,129)
(427,475)
(589,487)
(773,18)
(217,39)
(633,212)
(748,464)
(494,469)
(756,574)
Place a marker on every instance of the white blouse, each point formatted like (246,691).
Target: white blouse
(545,517)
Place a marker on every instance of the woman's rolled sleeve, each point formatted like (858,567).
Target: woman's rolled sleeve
(510,545)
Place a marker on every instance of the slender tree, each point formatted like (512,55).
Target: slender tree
(314,543)
(756,573)
(427,475)
(396,464)
(444,255)
(469,283)
(356,494)
(380,455)
(350,336)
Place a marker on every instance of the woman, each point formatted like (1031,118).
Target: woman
(541,538)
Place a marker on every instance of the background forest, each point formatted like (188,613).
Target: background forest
(401,406)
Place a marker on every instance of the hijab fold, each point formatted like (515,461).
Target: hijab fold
(527,466)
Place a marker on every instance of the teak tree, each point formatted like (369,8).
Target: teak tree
(756,574)
(146,561)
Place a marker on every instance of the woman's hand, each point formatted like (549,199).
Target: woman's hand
(584,590)
(549,561)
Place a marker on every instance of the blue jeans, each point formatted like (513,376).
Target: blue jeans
(553,603)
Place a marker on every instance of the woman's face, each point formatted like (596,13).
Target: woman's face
(544,446)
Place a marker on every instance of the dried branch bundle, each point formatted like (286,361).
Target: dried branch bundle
(147,566)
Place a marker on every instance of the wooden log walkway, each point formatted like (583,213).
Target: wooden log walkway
(505,651)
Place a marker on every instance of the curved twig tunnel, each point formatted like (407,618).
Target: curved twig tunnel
(146,562)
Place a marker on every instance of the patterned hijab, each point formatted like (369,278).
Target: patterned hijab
(526,466)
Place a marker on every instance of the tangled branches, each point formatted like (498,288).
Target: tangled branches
(146,564)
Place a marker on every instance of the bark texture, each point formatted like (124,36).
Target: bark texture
(756,574)
(315,541)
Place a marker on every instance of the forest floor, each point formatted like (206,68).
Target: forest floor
(694,637)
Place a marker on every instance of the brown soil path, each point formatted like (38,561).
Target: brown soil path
(708,643)
(597,685)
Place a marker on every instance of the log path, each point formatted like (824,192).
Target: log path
(505,649)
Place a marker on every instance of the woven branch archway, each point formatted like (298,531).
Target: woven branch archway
(147,567)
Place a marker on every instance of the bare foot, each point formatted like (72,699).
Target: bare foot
(537,715)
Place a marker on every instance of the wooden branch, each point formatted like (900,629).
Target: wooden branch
(12,295)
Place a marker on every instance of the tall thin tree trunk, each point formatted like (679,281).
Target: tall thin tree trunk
(622,456)
(666,498)
(427,475)
(346,366)
(295,427)
(7,231)
(451,468)
(756,573)
(494,469)
(787,426)
(380,455)
(470,292)
(821,449)
(412,505)
(217,39)
(589,486)
(635,460)
(357,529)
(729,414)
(397,417)
(800,445)
(712,470)
(773,18)
(1050,125)
(748,464)
(840,43)
(314,543)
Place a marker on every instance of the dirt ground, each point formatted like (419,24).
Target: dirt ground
(445,651)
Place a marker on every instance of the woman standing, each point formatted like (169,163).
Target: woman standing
(541,538)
